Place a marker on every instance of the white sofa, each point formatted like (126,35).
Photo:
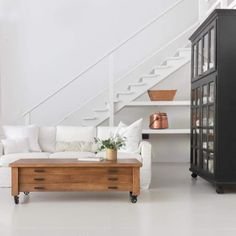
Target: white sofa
(48,136)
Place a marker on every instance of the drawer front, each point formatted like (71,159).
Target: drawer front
(75,175)
(72,171)
(74,187)
(79,178)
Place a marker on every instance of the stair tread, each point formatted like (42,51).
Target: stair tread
(90,118)
(174,58)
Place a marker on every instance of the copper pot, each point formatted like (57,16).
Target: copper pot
(158,120)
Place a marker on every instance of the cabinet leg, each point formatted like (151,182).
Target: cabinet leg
(219,189)
(16,199)
(194,175)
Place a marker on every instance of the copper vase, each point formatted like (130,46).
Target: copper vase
(158,120)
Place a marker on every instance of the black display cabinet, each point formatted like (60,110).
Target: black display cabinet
(213,99)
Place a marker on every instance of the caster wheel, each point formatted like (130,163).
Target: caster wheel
(26,193)
(16,199)
(219,189)
(133,199)
(194,175)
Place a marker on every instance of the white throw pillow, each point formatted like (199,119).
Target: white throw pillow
(75,133)
(132,134)
(30,132)
(20,145)
(47,138)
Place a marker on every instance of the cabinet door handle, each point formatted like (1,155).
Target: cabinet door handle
(39,179)
(39,170)
(112,187)
(112,179)
(38,188)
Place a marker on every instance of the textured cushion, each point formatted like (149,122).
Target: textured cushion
(47,139)
(31,132)
(75,133)
(7,159)
(15,145)
(75,146)
(71,154)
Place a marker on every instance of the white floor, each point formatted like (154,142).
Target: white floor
(175,205)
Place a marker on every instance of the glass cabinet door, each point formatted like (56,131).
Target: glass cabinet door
(212,49)
(203,122)
(211,93)
(194,61)
(205,52)
(199,58)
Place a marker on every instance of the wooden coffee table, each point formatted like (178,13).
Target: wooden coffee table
(46,175)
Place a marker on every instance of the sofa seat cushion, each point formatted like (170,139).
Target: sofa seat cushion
(123,155)
(7,159)
(71,154)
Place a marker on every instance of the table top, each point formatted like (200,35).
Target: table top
(73,162)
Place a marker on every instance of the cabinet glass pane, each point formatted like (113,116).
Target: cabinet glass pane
(204,138)
(198,158)
(194,117)
(198,117)
(193,140)
(198,137)
(198,96)
(205,94)
(205,52)
(211,139)
(199,58)
(211,116)
(194,60)
(205,160)
(211,163)
(212,49)
(212,92)
(204,116)
(194,101)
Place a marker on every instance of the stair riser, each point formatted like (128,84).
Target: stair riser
(185,54)
(175,63)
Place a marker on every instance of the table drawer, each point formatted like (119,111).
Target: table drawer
(75,171)
(74,187)
(75,178)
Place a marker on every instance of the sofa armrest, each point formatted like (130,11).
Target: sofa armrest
(146,154)
(146,171)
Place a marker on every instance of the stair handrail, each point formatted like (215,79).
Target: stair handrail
(27,112)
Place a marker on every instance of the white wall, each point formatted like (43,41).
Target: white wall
(45,43)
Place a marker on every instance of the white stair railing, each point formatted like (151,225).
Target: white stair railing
(110,56)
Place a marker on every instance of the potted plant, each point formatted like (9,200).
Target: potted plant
(111,146)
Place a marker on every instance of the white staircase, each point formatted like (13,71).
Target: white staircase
(97,109)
